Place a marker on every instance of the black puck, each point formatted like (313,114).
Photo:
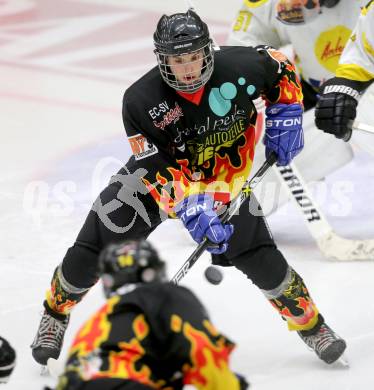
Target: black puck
(213,275)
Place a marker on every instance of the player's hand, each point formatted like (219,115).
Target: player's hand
(336,109)
(197,214)
(284,132)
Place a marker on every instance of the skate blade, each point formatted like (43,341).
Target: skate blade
(343,361)
(44,371)
(54,368)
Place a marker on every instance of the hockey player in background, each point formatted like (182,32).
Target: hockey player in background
(7,360)
(317,31)
(191,125)
(336,107)
(150,334)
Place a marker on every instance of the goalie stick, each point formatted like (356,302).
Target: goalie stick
(246,190)
(363,127)
(330,243)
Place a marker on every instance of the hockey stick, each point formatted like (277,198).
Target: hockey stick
(331,244)
(246,190)
(363,127)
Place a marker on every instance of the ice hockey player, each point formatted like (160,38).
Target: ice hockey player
(316,31)
(336,107)
(7,360)
(190,122)
(150,334)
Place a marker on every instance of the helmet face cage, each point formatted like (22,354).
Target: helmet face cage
(179,35)
(129,262)
(205,55)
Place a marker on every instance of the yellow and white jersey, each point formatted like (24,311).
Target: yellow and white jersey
(317,45)
(357,61)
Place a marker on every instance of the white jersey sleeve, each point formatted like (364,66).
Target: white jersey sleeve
(357,60)
(316,45)
(254,25)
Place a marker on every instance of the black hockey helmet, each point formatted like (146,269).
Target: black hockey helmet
(129,262)
(179,34)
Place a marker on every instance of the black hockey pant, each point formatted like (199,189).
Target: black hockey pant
(123,212)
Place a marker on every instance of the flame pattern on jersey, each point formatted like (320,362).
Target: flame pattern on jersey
(224,172)
(207,359)
(94,331)
(211,146)
(97,352)
(222,165)
(288,90)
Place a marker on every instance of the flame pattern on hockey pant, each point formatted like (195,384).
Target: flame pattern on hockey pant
(292,300)
(63,296)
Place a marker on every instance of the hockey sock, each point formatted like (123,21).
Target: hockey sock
(63,296)
(293,302)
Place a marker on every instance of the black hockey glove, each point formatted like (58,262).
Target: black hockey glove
(336,108)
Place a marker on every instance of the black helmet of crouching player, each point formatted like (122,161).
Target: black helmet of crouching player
(179,34)
(129,262)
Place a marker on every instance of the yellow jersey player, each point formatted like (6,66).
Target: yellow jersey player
(336,108)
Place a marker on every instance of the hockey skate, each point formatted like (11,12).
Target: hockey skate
(49,338)
(328,346)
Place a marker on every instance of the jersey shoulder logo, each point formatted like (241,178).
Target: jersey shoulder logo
(141,147)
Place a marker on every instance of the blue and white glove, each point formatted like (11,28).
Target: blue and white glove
(197,214)
(284,132)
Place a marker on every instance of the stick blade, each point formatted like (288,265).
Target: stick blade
(338,248)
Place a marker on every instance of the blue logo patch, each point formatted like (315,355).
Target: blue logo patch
(220,98)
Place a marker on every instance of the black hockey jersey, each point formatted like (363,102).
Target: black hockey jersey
(205,141)
(159,335)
